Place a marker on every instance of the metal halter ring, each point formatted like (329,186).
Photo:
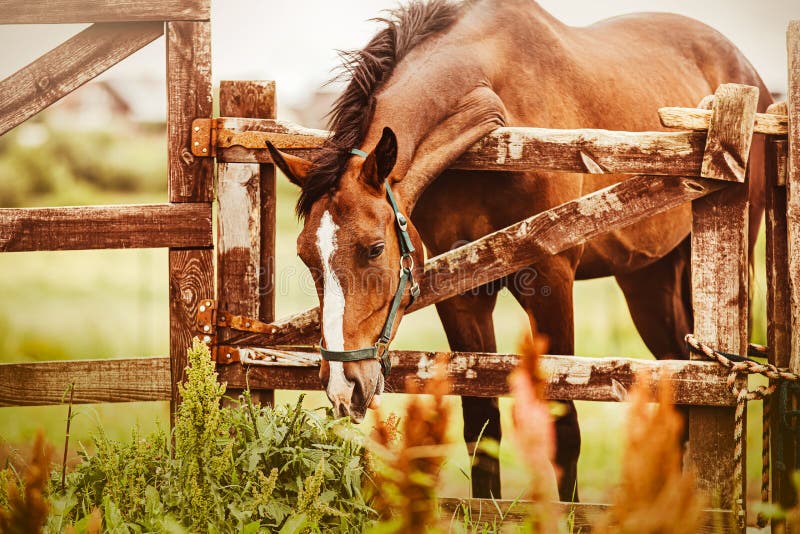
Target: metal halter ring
(410,266)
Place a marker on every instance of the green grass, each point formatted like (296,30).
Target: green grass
(98,304)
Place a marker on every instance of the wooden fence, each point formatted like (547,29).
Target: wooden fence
(704,165)
(183,225)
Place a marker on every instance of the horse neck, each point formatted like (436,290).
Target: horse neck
(440,99)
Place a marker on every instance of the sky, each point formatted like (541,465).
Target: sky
(295,42)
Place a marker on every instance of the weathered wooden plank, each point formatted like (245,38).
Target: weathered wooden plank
(486,375)
(584,516)
(191,279)
(246,222)
(96,381)
(730,132)
(76,11)
(505,149)
(720,279)
(238,238)
(188,97)
(528,241)
(793,190)
(778,312)
(568,377)
(96,227)
(191,271)
(699,119)
(68,66)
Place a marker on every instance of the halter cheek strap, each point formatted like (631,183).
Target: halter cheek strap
(380,350)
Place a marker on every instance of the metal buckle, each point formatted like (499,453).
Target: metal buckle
(381,348)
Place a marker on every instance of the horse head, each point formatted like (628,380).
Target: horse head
(364,255)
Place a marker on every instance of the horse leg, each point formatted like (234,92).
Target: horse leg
(659,299)
(467,321)
(545,292)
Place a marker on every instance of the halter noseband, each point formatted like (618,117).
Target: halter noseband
(380,350)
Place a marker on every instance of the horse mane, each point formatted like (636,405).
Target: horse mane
(364,71)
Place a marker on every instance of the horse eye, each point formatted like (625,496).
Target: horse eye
(376,250)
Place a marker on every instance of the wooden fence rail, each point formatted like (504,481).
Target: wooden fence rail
(76,11)
(568,377)
(102,227)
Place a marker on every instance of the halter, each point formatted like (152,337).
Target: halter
(380,350)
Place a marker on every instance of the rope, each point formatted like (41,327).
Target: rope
(278,357)
(739,368)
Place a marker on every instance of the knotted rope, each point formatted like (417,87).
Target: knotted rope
(739,368)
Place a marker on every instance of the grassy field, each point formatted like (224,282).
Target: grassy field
(98,304)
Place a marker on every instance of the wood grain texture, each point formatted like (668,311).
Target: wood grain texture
(96,381)
(584,516)
(486,375)
(247,202)
(75,11)
(97,227)
(719,260)
(793,190)
(68,66)
(238,238)
(191,279)
(188,98)
(699,119)
(778,312)
(505,149)
(777,256)
(528,241)
(730,132)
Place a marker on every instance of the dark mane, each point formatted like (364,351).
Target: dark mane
(365,70)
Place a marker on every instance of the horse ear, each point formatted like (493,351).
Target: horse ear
(380,162)
(293,167)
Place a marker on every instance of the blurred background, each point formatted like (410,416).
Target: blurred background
(105,144)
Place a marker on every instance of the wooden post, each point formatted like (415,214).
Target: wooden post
(720,278)
(778,313)
(793,189)
(246,221)
(191,270)
(783,267)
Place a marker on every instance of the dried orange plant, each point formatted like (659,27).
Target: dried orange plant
(655,494)
(405,465)
(534,432)
(27,509)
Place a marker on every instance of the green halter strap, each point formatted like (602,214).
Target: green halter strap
(380,350)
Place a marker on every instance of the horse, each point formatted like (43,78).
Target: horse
(437,78)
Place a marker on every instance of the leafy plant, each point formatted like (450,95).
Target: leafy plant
(242,469)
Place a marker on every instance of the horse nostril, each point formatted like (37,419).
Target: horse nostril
(342,410)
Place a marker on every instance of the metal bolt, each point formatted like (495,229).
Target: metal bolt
(247,325)
(202,308)
(197,143)
(196,128)
(206,339)
(228,356)
(208,303)
(206,328)
(205,150)
(274,358)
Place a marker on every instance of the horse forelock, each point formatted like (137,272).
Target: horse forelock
(365,71)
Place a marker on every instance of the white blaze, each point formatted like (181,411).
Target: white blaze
(332,307)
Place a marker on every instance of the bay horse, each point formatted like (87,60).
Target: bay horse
(439,77)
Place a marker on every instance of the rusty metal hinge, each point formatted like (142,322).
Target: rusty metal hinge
(204,138)
(209,318)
